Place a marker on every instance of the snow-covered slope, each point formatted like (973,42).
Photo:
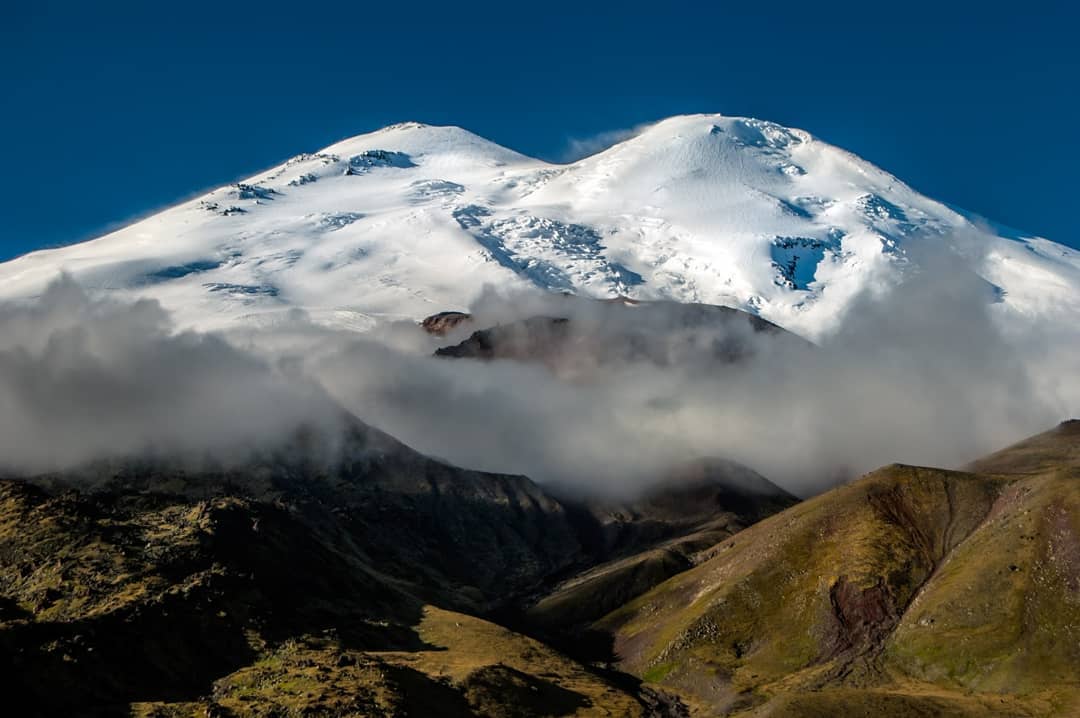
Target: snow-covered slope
(415,219)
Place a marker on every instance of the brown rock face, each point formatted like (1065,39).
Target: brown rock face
(536,338)
(443,323)
(864,616)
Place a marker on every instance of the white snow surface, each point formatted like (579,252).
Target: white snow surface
(414,219)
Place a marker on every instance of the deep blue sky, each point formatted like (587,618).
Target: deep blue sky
(111,110)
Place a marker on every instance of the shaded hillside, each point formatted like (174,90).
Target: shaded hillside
(464,536)
(912,591)
(232,607)
(235,606)
(464,668)
(596,334)
(678,523)
(199,584)
(116,598)
(696,493)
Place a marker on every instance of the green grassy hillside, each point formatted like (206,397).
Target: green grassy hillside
(912,590)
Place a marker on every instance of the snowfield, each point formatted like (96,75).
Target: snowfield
(414,219)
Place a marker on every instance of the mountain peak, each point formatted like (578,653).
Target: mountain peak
(747,131)
(416,139)
(407,125)
(412,218)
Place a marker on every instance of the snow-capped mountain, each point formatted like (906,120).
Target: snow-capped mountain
(415,219)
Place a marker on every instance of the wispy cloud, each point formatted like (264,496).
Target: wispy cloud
(919,373)
(580,147)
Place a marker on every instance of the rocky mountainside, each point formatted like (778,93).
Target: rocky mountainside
(432,525)
(296,582)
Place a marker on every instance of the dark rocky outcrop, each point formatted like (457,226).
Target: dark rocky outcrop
(599,334)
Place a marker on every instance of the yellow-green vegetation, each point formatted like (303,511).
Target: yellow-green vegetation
(467,651)
(78,566)
(1051,451)
(466,667)
(167,606)
(912,591)
(910,702)
(658,672)
(674,526)
(599,590)
(1003,613)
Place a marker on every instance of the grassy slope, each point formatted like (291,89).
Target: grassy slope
(601,589)
(653,537)
(464,667)
(1003,614)
(920,586)
(913,592)
(230,606)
